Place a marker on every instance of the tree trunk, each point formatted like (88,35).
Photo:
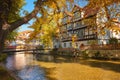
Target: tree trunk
(12,26)
(3,35)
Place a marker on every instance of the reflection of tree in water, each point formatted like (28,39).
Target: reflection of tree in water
(113,66)
(32,73)
(46,58)
(56,58)
(93,63)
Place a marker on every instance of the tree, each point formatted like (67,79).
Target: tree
(9,10)
(113,41)
(108,13)
(101,8)
(10,19)
(48,30)
(12,36)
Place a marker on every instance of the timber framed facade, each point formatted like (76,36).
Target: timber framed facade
(75,27)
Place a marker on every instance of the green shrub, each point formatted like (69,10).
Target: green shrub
(113,41)
(85,53)
(97,54)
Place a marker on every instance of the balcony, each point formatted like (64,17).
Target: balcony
(66,39)
(84,38)
(70,29)
(88,37)
(77,18)
(79,28)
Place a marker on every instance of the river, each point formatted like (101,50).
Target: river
(47,67)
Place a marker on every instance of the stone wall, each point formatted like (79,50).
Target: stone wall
(107,54)
(96,54)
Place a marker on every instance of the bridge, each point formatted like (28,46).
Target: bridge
(39,51)
(22,50)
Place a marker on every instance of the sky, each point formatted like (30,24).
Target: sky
(30,6)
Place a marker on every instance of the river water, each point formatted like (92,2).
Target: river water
(47,67)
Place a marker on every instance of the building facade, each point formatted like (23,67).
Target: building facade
(74,31)
(23,37)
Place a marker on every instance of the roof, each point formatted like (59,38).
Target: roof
(76,8)
(88,11)
(22,35)
(27,31)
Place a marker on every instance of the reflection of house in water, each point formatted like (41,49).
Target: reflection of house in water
(17,61)
(20,61)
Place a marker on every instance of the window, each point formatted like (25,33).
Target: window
(77,24)
(69,33)
(82,23)
(81,33)
(77,14)
(75,32)
(70,44)
(69,26)
(76,44)
(64,44)
(86,31)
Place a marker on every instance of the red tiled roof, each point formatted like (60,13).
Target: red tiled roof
(69,13)
(27,31)
(76,7)
(22,36)
(90,11)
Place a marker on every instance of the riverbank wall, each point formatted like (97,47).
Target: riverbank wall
(96,54)
(104,54)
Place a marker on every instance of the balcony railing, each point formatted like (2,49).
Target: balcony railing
(86,37)
(91,36)
(66,39)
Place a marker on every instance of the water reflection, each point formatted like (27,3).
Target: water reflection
(104,65)
(31,73)
(107,65)
(69,68)
(25,67)
(46,58)
(19,61)
(57,59)
(30,67)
